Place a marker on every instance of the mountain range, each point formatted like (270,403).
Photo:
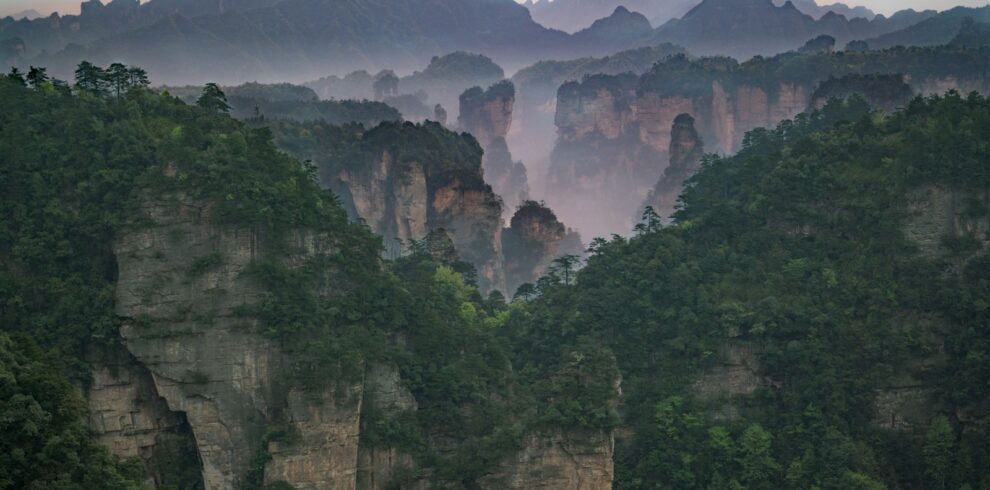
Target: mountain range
(231,41)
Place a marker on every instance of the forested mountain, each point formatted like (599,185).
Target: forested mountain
(744,28)
(940,29)
(215,275)
(222,318)
(265,40)
(816,318)
(181,41)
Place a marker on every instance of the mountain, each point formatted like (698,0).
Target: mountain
(185,42)
(972,34)
(574,15)
(29,14)
(744,28)
(812,8)
(939,29)
(816,316)
(614,132)
(620,30)
(225,325)
(97,20)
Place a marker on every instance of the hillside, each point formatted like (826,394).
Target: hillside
(815,317)
(742,29)
(938,30)
(298,39)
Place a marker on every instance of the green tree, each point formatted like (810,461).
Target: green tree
(91,78)
(137,77)
(564,267)
(213,99)
(16,75)
(938,448)
(650,222)
(118,78)
(757,466)
(37,77)
(44,438)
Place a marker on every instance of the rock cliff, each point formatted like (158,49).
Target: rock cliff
(533,240)
(686,151)
(403,191)
(614,132)
(487,115)
(199,394)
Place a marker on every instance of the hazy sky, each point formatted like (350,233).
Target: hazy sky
(883,6)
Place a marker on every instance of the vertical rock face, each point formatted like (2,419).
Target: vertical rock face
(384,394)
(206,361)
(601,169)
(532,241)
(614,132)
(572,460)
(403,197)
(487,115)
(473,219)
(324,456)
(686,151)
(133,421)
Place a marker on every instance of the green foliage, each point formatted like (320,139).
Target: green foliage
(795,245)
(213,99)
(679,75)
(444,155)
(44,438)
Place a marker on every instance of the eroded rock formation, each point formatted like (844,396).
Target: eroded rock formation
(530,243)
(487,115)
(194,370)
(614,131)
(686,151)
(403,197)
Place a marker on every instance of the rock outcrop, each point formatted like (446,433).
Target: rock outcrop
(132,420)
(575,460)
(403,196)
(487,115)
(530,244)
(686,151)
(195,379)
(205,359)
(887,92)
(614,131)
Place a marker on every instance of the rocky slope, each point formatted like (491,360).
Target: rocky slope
(487,115)
(194,374)
(614,131)
(530,243)
(686,151)
(404,180)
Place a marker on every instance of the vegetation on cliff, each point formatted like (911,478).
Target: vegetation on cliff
(78,163)
(680,75)
(795,251)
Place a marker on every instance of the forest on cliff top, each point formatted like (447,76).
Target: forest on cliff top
(798,252)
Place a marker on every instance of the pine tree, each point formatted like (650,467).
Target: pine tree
(213,99)
(91,78)
(37,77)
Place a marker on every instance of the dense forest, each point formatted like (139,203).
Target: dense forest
(78,162)
(794,255)
(804,257)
